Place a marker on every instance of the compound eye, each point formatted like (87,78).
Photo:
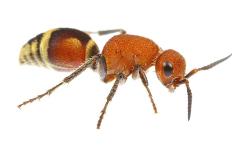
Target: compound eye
(168,69)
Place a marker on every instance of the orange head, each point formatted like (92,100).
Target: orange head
(170,69)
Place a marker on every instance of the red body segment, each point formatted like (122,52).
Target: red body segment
(123,52)
(66,52)
(68,48)
(62,49)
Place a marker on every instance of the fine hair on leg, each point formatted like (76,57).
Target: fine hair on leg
(109,98)
(67,79)
(144,80)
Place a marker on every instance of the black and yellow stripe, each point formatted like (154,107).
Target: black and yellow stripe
(38,50)
(31,52)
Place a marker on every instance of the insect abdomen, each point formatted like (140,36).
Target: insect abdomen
(61,49)
(29,53)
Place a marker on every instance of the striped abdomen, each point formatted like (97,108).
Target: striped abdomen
(61,49)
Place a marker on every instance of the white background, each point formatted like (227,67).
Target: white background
(65,122)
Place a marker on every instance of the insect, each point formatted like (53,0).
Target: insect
(66,49)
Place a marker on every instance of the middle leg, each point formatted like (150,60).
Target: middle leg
(109,98)
(144,80)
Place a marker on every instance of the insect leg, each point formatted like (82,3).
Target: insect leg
(67,79)
(109,98)
(145,83)
(105,32)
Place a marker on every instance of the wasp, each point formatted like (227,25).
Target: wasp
(67,49)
